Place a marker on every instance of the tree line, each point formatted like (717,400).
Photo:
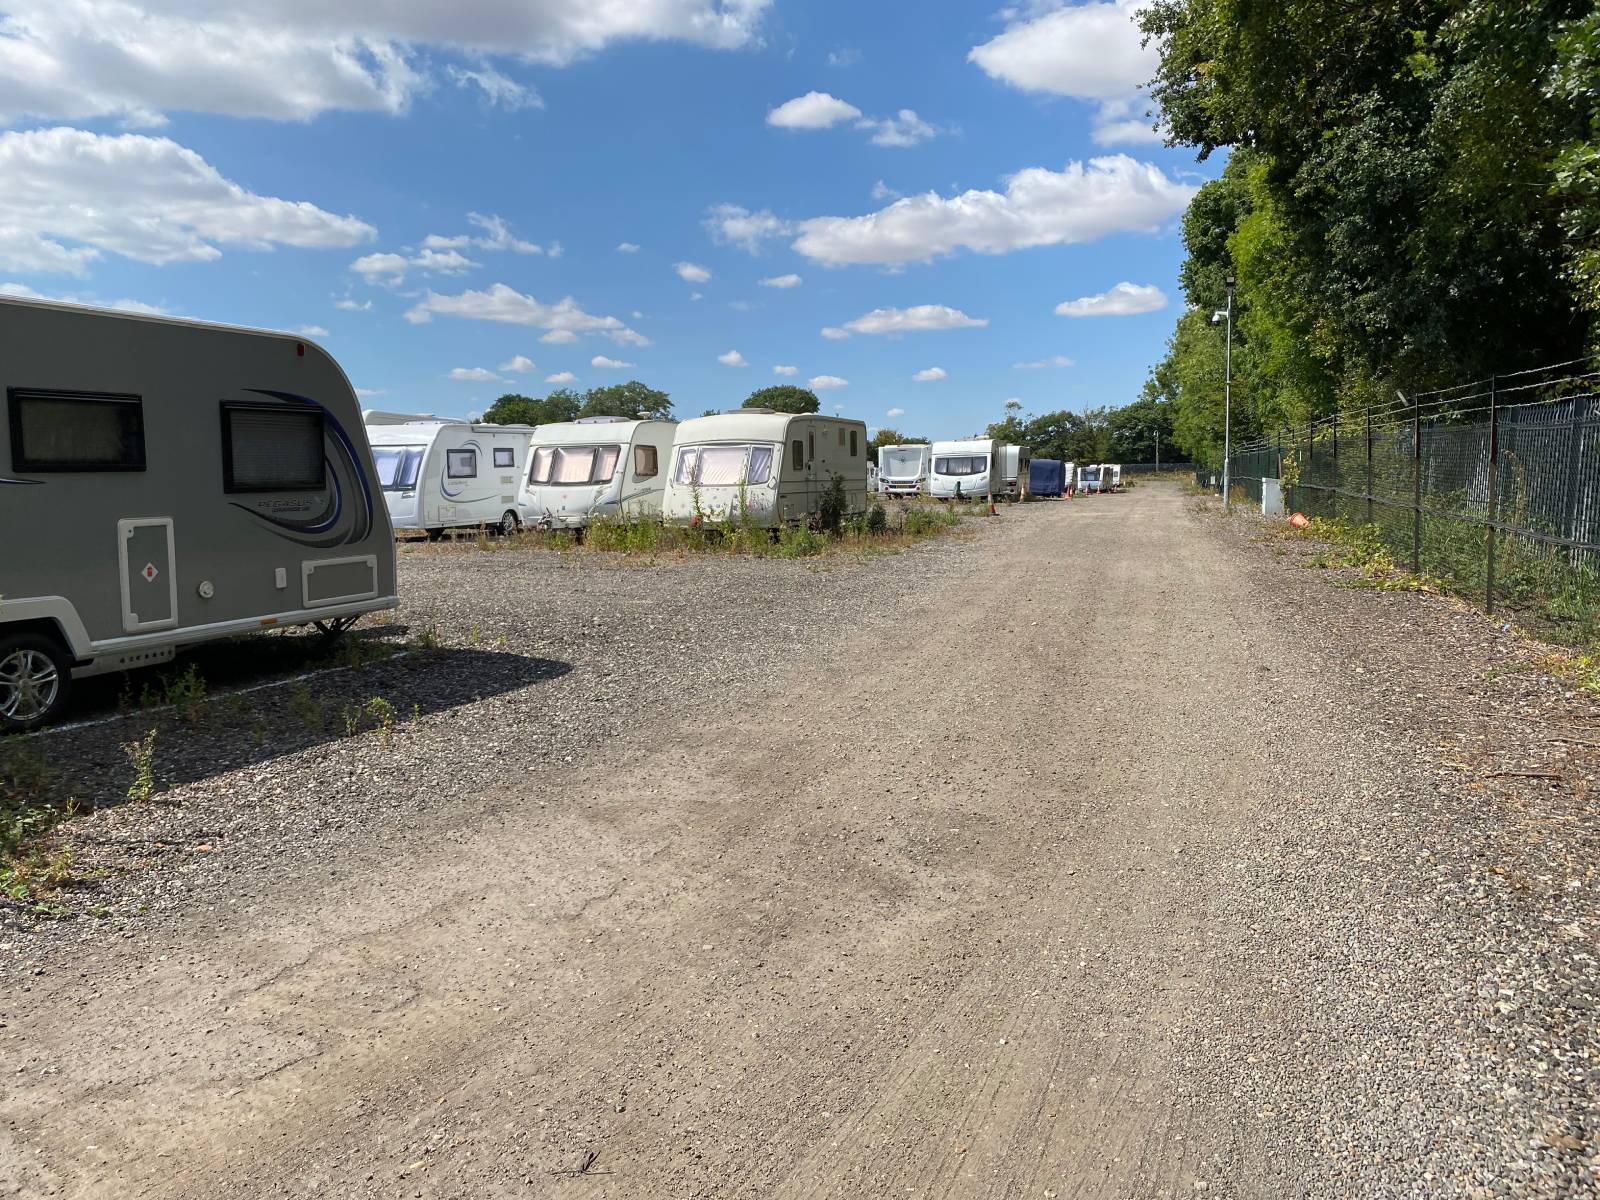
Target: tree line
(630,400)
(1411,200)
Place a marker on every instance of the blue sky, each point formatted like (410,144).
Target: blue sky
(940,178)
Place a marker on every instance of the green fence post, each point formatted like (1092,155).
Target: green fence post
(1494,490)
(1416,488)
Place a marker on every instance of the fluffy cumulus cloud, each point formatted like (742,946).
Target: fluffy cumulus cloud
(781,281)
(1040,207)
(834,334)
(393,268)
(70,197)
(312,331)
(627,248)
(473,374)
(814,110)
(931,375)
(561,377)
(1124,300)
(785,370)
(826,383)
(349,304)
(23,291)
(895,412)
(903,129)
(1092,52)
(731,359)
(498,91)
(494,234)
(609,364)
(1057,360)
(519,364)
(734,225)
(564,320)
(293,59)
(691,272)
(920,318)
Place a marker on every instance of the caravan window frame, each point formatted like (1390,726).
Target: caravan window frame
(18,397)
(232,486)
(510,459)
(450,471)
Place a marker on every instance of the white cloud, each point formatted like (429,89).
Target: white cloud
(136,59)
(1124,300)
(834,334)
(882,191)
(392,268)
(369,393)
(495,236)
(782,281)
(610,364)
(732,359)
(920,318)
(473,374)
(904,129)
(826,383)
(843,57)
(511,307)
(519,364)
(814,110)
(70,196)
(627,248)
(1092,51)
(782,370)
(1059,360)
(895,412)
(23,291)
(348,304)
(561,377)
(931,375)
(498,90)
(733,225)
(696,295)
(312,331)
(1081,203)
(691,272)
(559,337)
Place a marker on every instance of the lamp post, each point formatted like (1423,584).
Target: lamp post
(1226,315)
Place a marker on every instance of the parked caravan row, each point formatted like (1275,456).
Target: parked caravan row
(1099,477)
(194,482)
(440,474)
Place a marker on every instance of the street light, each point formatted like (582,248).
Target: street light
(1218,318)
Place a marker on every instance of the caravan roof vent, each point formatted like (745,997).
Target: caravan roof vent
(769,412)
(600,420)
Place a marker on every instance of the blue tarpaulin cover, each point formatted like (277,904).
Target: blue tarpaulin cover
(1046,477)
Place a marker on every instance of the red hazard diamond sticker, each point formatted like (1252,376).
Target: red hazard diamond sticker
(149,572)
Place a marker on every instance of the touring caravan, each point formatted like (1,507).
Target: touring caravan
(166,482)
(1015,473)
(779,463)
(970,467)
(903,470)
(1111,477)
(595,467)
(1089,478)
(1046,478)
(440,474)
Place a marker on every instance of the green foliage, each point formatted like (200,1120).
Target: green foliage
(631,399)
(32,862)
(784,397)
(831,505)
(797,541)
(513,409)
(891,437)
(627,535)
(877,519)
(141,754)
(617,400)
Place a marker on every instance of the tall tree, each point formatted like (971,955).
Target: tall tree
(515,409)
(784,397)
(631,399)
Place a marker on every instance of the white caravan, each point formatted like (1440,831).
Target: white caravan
(903,470)
(1069,475)
(874,482)
(1111,477)
(1089,478)
(779,464)
(1014,475)
(595,467)
(971,465)
(440,474)
(167,482)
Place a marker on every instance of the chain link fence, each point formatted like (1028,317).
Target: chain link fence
(1490,488)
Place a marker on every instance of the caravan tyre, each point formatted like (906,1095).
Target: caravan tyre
(35,680)
(509,523)
(435,535)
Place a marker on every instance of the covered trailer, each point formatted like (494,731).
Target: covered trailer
(778,465)
(903,470)
(1046,478)
(438,475)
(165,482)
(596,467)
(970,467)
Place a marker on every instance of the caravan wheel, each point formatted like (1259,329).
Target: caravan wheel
(35,679)
(509,523)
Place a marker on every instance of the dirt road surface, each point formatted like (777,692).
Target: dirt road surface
(958,912)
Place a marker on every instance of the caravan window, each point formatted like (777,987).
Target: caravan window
(505,456)
(539,470)
(272,448)
(397,466)
(721,466)
(645,462)
(724,466)
(75,431)
(853,433)
(799,455)
(969,464)
(574,465)
(606,464)
(461,464)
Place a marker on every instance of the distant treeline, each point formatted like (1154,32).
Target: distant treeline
(1412,199)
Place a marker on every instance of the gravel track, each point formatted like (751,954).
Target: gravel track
(1104,854)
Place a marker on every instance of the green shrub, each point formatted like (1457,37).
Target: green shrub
(797,541)
(877,519)
(831,507)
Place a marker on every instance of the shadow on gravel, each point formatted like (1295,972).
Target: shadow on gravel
(372,695)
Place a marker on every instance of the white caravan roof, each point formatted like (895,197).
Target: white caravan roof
(965,446)
(588,431)
(751,426)
(423,432)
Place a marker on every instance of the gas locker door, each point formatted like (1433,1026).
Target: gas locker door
(149,575)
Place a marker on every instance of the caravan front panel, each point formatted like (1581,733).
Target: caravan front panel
(969,468)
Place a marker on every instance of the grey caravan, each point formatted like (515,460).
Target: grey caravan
(438,474)
(777,465)
(167,482)
(595,467)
